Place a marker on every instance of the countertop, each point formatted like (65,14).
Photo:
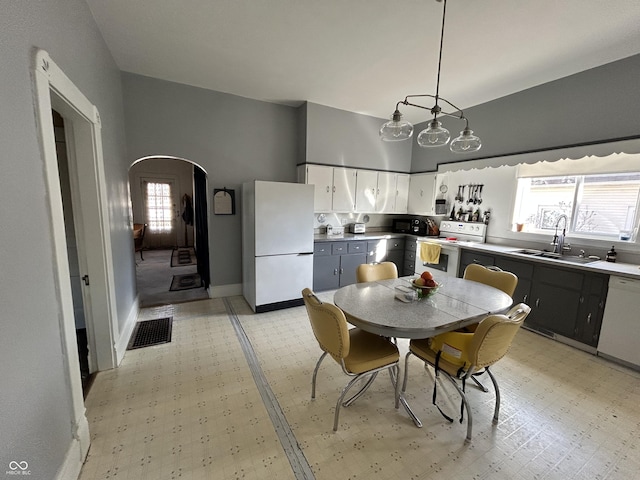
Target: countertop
(348,237)
(599,266)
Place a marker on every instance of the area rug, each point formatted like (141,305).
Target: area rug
(151,332)
(185,282)
(181,257)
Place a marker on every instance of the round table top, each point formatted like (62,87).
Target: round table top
(373,306)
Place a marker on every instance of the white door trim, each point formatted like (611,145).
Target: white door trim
(51,88)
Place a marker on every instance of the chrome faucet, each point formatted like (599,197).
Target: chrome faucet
(558,240)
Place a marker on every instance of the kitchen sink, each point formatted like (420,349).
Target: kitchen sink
(555,256)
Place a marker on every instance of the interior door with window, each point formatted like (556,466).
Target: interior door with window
(160,212)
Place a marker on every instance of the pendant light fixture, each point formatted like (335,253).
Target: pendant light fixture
(435,135)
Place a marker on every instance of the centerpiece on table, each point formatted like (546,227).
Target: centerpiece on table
(425,284)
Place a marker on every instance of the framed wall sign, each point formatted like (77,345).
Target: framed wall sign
(224,201)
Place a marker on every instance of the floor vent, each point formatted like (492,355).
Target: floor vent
(151,332)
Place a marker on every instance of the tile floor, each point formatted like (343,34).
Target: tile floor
(191,409)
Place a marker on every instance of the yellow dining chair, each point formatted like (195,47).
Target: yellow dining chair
(370,272)
(494,277)
(458,355)
(359,353)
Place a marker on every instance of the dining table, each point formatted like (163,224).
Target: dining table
(388,308)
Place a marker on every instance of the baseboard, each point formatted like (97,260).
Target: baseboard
(77,451)
(219,291)
(125,335)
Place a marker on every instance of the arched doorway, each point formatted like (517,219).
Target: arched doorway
(169,199)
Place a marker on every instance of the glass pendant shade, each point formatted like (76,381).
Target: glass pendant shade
(396,129)
(435,135)
(467,142)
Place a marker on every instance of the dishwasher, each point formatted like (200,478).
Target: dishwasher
(620,332)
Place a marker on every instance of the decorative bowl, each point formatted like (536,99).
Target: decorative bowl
(424,290)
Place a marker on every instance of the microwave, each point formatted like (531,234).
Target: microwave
(413,226)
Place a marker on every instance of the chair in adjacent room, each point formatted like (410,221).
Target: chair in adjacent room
(458,355)
(138,237)
(370,272)
(359,353)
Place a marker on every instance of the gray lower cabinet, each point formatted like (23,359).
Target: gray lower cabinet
(335,263)
(524,272)
(410,249)
(555,300)
(563,301)
(387,250)
(468,257)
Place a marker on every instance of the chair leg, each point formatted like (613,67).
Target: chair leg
(400,393)
(478,384)
(339,402)
(359,393)
(496,411)
(315,374)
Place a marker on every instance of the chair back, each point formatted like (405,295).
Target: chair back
(370,272)
(494,334)
(329,325)
(505,281)
(138,235)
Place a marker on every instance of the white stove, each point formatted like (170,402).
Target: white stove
(452,236)
(463,231)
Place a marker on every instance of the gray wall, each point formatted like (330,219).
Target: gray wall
(338,137)
(234,139)
(596,105)
(35,412)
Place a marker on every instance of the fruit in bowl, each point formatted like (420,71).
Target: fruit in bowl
(426,286)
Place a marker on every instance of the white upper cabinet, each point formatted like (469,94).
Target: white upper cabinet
(386,198)
(344,189)
(334,187)
(322,178)
(402,192)
(422,194)
(382,192)
(366,191)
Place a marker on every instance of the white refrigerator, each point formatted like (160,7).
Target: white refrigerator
(277,243)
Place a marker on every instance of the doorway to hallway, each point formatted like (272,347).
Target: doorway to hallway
(168,194)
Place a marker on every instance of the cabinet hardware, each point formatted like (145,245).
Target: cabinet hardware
(85,279)
(335,271)
(581,299)
(341,271)
(524,300)
(334,189)
(327,188)
(537,302)
(589,318)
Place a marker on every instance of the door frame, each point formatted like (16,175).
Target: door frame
(53,89)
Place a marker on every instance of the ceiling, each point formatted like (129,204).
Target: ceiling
(365,55)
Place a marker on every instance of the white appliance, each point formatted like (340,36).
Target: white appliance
(277,243)
(452,235)
(620,331)
(357,228)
